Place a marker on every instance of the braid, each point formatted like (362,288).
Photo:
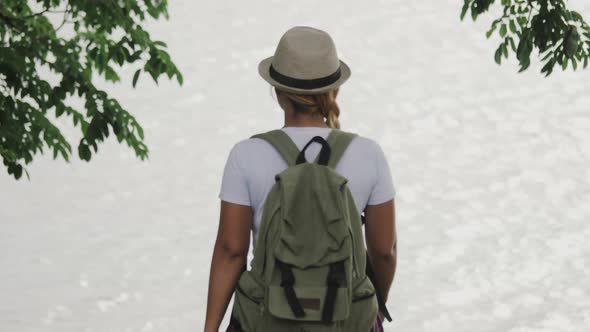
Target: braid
(324,103)
(329,108)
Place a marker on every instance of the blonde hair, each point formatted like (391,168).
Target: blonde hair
(324,104)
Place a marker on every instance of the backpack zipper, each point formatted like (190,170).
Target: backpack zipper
(265,237)
(354,269)
(259,303)
(247,296)
(364,297)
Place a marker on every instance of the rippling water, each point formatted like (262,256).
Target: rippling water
(490,168)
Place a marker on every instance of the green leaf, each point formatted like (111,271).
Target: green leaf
(136,77)
(464,9)
(120,54)
(179,77)
(576,16)
(524,65)
(548,67)
(59,109)
(160,43)
(503,30)
(28,156)
(102,61)
(94,146)
(139,130)
(571,42)
(474,12)
(64,154)
(512,45)
(547,56)
(116,127)
(135,56)
(512,26)
(498,55)
(525,47)
(585,62)
(104,127)
(491,30)
(111,75)
(84,152)
(154,74)
(18,171)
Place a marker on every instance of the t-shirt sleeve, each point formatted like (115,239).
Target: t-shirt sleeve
(383,189)
(234,187)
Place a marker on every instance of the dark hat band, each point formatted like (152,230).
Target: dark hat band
(304,84)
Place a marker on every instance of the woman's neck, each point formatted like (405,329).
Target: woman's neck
(302,121)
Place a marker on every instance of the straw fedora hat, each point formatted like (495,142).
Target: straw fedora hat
(305,62)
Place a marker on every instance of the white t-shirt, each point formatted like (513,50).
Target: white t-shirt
(252,164)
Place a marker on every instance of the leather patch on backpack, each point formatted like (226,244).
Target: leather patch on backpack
(310,303)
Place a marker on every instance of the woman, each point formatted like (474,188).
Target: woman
(302,55)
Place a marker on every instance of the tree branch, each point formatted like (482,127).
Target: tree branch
(66,12)
(33,15)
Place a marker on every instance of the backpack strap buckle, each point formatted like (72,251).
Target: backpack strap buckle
(335,279)
(287,282)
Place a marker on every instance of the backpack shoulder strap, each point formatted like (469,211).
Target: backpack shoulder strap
(339,141)
(282,143)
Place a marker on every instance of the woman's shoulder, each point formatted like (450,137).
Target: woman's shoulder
(366,144)
(248,147)
(365,141)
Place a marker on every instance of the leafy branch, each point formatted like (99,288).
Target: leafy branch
(560,36)
(28,41)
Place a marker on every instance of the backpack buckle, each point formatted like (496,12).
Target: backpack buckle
(335,279)
(287,282)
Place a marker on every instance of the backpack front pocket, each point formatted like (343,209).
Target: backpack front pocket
(312,301)
(248,302)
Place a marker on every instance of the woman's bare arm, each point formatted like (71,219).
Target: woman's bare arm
(381,241)
(229,257)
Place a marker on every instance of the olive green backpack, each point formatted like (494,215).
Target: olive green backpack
(308,272)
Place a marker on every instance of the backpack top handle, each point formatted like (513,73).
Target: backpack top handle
(338,140)
(324,155)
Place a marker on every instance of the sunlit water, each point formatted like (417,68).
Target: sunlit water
(490,168)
